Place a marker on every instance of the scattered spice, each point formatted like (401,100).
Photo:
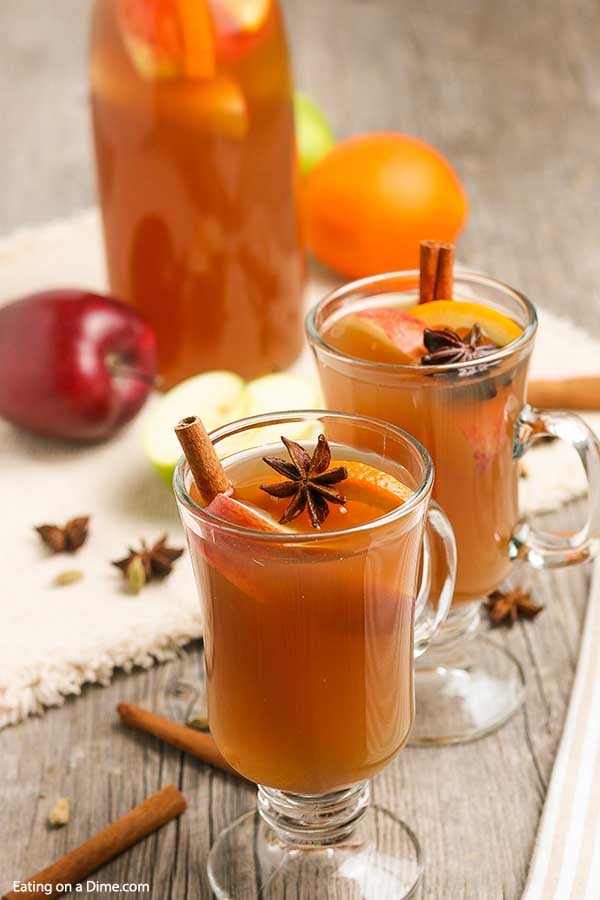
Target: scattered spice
(142,566)
(69,576)
(200,723)
(309,481)
(505,607)
(67,539)
(523,470)
(446,346)
(60,813)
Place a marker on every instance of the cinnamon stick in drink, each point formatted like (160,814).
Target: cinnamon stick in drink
(202,458)
(187,739)
(150,815)
(436,269)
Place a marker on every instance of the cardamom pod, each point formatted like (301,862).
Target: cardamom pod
(200,723)
(69,576)
(136,575)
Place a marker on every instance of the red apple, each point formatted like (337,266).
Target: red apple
(73,364)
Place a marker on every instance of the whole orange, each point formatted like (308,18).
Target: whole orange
(371,200)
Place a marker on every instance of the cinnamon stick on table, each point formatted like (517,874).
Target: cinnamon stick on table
(582,393)
(436,271)
(150,815)
(188,739)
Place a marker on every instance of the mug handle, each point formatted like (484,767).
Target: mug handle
(544,549)
(431,611)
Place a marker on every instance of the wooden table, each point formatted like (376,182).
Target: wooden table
(511,93)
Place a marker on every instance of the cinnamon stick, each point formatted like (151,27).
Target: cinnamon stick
(150,815)
(202,458)
(187,739)
(581,393)
(436,271)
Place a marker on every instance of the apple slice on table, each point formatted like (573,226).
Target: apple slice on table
(385,334)
(220,397)
(457,315)
(217,397)
(168,38)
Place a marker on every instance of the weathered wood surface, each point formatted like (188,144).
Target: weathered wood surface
(511,93)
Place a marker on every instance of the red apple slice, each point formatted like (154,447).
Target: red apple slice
(237,513)
(384,334)
(484,425)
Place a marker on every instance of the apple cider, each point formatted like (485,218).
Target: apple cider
(193,126)
(466,417)
(309,631)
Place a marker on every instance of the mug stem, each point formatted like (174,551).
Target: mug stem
(314,820)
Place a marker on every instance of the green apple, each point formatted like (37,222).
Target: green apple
(218,398)
(314,135)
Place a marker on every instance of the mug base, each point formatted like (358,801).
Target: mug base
(464,700)
(381,858)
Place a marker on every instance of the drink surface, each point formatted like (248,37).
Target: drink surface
(196,181)
(466,421)
(309,647)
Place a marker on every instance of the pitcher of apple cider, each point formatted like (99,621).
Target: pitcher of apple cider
(193,126)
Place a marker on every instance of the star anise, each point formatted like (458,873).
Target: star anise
(148,563)
(508,606)
(446,346)
(67,539)
(309,481)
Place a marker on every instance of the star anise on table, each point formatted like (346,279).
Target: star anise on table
(446,346)
(65,539)
(309,481)
(148,563)
(505,607)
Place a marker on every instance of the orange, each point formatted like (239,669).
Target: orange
(374,197)
(456,315)
(367,484)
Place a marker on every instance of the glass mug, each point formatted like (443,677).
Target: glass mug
(476,424)
(309,647)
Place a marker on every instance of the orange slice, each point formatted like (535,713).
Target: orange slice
(217,106)
(168,38)
(455,314)
(372,486)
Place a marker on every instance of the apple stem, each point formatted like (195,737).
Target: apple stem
(120,369)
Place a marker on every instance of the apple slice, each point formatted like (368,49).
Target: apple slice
(385,334)
(484,425)
(275,393)
(168,38)
(217,397)
(232,510)
(456,314)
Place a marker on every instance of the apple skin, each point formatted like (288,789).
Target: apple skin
(73,364)
(225,507)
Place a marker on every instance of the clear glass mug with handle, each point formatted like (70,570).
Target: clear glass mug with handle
(310,639)
(476,423)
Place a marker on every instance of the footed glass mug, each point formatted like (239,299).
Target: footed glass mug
(309,645)
(476,423)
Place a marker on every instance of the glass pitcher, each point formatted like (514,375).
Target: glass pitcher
(196,166)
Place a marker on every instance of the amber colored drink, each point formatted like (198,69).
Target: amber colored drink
(468,424)
(309,643)
(196,182)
